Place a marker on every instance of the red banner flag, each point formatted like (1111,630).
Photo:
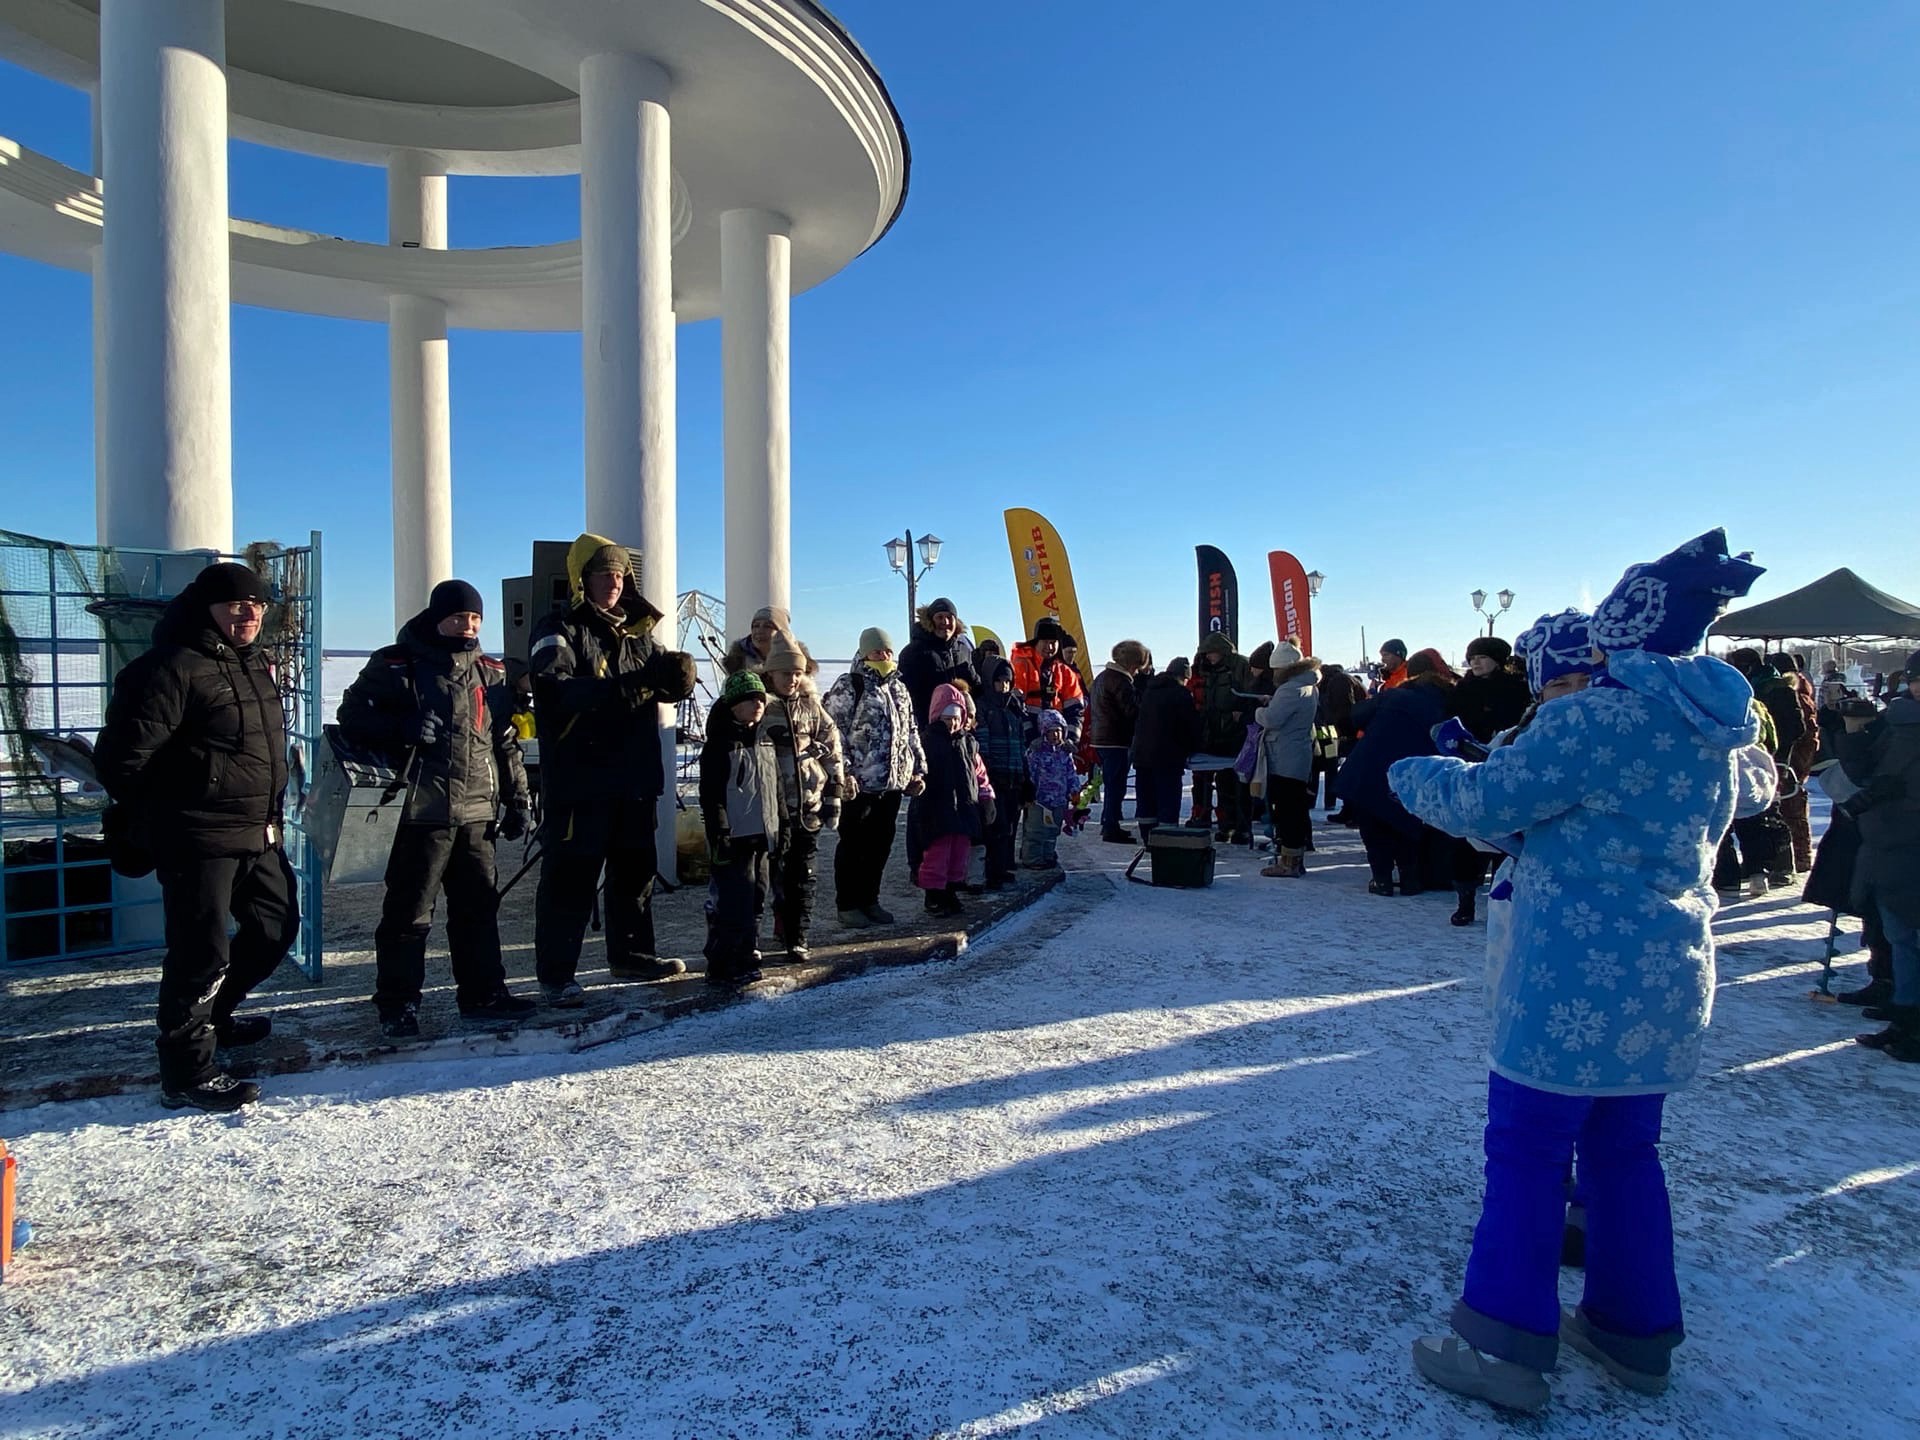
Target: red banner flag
(1292,604)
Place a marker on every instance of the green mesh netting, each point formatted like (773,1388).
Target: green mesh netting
(71,616)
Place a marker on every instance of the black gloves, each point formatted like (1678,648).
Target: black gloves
(720,844)
(666,677)
(987,811)
(427,731)
(670,675)
(514,821)
(830,809)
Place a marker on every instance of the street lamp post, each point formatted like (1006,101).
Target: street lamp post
(900,557)
(1314,581)
(1479,598)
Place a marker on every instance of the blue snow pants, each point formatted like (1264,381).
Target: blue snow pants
(1510,1305)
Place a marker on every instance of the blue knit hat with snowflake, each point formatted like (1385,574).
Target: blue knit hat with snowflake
(1557,645)
(1666,606)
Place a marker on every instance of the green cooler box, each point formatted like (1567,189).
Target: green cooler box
(1178,857)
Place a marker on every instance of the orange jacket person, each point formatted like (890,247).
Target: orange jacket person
(1046,682)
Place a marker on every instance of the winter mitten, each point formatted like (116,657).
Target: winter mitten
(830,812)
(671,675)
(1452,737)
(987,811)
(513,822)
(720,845)
(635,688)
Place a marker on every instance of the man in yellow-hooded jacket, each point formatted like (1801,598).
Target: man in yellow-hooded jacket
(598,673)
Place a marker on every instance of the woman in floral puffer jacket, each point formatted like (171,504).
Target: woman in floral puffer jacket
(1615,799)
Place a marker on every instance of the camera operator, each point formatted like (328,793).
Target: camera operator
(598,673)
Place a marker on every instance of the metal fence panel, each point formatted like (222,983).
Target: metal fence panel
(70,617)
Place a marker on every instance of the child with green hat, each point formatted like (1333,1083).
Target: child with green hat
(740,803)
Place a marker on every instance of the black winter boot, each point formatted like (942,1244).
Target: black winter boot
(1874,992)
(1902,1032)
(1463,914)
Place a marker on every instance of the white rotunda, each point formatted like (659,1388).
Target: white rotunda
(731,152)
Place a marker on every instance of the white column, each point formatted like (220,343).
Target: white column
(169,421)
(627,334)
(420,403)
(756,268)
(102,524)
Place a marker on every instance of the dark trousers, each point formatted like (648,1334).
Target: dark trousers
(205,974)
(1793,811)
(1002,834)
(739,895)
(867,823)
(1388,847)
(1757,845)
(1159,794)
(424,858)
(564,902)
(794,883)
(1510,1305)
(1230,812)
(1291,804)
(1115,761)
(1469,867)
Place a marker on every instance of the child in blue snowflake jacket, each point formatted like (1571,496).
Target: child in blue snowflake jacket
(1619,795)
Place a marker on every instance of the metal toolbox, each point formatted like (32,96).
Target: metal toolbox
(353,809)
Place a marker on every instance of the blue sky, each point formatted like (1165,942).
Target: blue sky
(1438,297)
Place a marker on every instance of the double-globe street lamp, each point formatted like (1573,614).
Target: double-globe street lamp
(900,557)
(1479,598)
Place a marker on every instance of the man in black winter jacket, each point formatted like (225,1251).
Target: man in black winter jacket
(440,707)
(1115,707)
(194,749)
(938,653)
(599,677)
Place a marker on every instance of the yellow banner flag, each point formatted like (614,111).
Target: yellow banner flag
(1045,580)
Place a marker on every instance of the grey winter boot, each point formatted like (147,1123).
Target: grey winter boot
(1453,1364)
(1581,1333)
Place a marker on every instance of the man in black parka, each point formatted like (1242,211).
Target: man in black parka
(938,653)
(195,750)
(440,707)
(598,676)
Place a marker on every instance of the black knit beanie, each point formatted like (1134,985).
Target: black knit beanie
(225,583)
(1491,646)
(453,597)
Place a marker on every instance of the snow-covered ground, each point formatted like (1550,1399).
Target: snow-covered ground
(1144,1163)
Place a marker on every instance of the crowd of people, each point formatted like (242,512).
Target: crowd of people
(1608,776)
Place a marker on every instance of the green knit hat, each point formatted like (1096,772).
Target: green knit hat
(742,685)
